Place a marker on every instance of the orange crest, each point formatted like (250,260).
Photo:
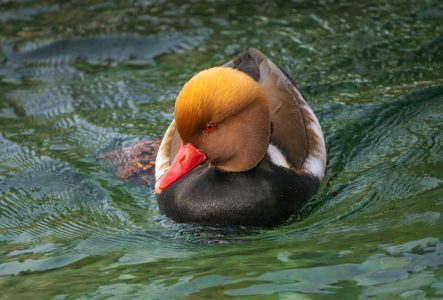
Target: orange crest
(212,96)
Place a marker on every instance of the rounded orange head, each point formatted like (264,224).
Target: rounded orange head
(223,114)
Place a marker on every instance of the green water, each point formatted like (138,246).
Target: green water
(81,78)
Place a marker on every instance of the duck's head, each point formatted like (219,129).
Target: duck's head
(224,118)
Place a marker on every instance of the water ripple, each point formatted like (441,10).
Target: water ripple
(388,136)
(79,78)
(46,102)
(131,49)
(28,204)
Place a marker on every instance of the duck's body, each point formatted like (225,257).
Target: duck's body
(260,157)
(263,196)
(244,148)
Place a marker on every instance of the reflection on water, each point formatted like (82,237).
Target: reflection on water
(82,78)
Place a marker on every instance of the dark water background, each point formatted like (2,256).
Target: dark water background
(78,78)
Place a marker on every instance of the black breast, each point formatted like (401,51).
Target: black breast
(263,196)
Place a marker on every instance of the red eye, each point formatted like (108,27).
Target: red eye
(210,127)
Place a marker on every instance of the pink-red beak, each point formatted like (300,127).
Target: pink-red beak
(187,158)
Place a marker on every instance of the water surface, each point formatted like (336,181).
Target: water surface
(81,78)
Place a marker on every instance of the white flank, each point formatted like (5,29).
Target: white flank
(317,129)
(163,159)
(277,157)
(314,166)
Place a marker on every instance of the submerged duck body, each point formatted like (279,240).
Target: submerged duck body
(244,148)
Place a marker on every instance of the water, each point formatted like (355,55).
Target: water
(87,77)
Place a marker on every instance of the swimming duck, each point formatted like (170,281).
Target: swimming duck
(244,147)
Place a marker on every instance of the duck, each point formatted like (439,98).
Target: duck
(244,147)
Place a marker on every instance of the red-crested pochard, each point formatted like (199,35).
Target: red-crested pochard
(244,148)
